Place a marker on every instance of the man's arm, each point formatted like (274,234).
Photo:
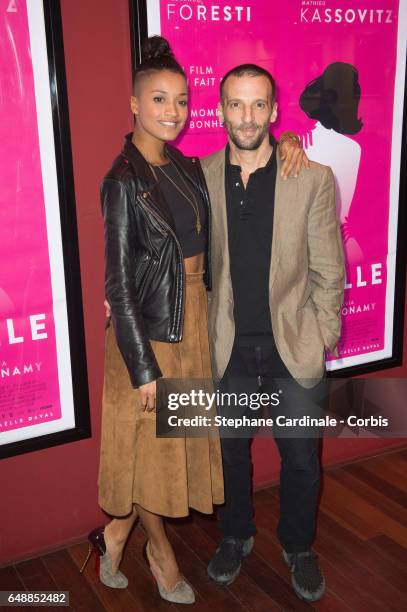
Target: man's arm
(326,262)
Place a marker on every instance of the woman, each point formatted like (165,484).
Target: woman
(156,214)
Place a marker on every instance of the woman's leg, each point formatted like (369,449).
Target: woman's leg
(162,556)
(116,534)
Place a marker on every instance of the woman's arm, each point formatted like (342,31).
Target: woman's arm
(128,323)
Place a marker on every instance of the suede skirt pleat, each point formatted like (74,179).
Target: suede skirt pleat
(166,476)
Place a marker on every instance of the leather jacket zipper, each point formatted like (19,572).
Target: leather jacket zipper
(173,334)
(205,195)
(155,216)
(141,266)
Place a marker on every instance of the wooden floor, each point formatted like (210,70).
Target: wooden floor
(361,543)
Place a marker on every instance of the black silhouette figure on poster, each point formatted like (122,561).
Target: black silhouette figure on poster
(332,100)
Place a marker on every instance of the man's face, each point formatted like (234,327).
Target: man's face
(247,110)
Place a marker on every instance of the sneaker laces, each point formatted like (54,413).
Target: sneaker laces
(306,569)
(232,547)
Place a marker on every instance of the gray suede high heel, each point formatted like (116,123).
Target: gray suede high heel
(97,544)
(182,593)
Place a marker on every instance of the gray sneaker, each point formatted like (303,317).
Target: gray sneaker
(306,577)
(225,565)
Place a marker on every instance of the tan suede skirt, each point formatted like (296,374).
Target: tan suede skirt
(166,476)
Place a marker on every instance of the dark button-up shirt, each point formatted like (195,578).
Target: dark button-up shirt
(250,214)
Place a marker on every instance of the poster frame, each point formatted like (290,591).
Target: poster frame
(69,239)
(139,31)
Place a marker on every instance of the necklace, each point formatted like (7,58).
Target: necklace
(191,198)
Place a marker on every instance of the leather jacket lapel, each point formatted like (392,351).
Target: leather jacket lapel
(146,182)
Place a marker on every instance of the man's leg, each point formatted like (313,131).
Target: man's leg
(236,515)
(299,452)
(299,489)
(299,474)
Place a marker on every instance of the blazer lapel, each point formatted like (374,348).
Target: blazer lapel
(285,191)
(215,173)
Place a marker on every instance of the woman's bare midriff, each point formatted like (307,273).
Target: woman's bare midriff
(195,263)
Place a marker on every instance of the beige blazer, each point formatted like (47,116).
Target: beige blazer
(306,280)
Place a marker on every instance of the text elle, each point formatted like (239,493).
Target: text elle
(360,276)
(37,329)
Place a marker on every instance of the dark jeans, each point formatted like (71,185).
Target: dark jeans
(251,369)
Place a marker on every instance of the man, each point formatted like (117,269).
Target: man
(277,288)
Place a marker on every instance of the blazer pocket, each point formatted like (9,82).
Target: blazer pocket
(309,316)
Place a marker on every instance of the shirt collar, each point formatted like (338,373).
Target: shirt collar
(267,168)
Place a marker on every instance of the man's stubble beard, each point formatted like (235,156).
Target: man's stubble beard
(244,146)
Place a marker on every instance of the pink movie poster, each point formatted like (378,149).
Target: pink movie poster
(29,386)
(336,67)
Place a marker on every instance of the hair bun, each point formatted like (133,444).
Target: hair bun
(156,48)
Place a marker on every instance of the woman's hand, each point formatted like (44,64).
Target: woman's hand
(292,153)
(148,393)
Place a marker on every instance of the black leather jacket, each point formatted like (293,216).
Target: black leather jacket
(145,276)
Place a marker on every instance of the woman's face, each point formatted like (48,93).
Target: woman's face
(160,105)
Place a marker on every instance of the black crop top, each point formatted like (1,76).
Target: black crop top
(184,215)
